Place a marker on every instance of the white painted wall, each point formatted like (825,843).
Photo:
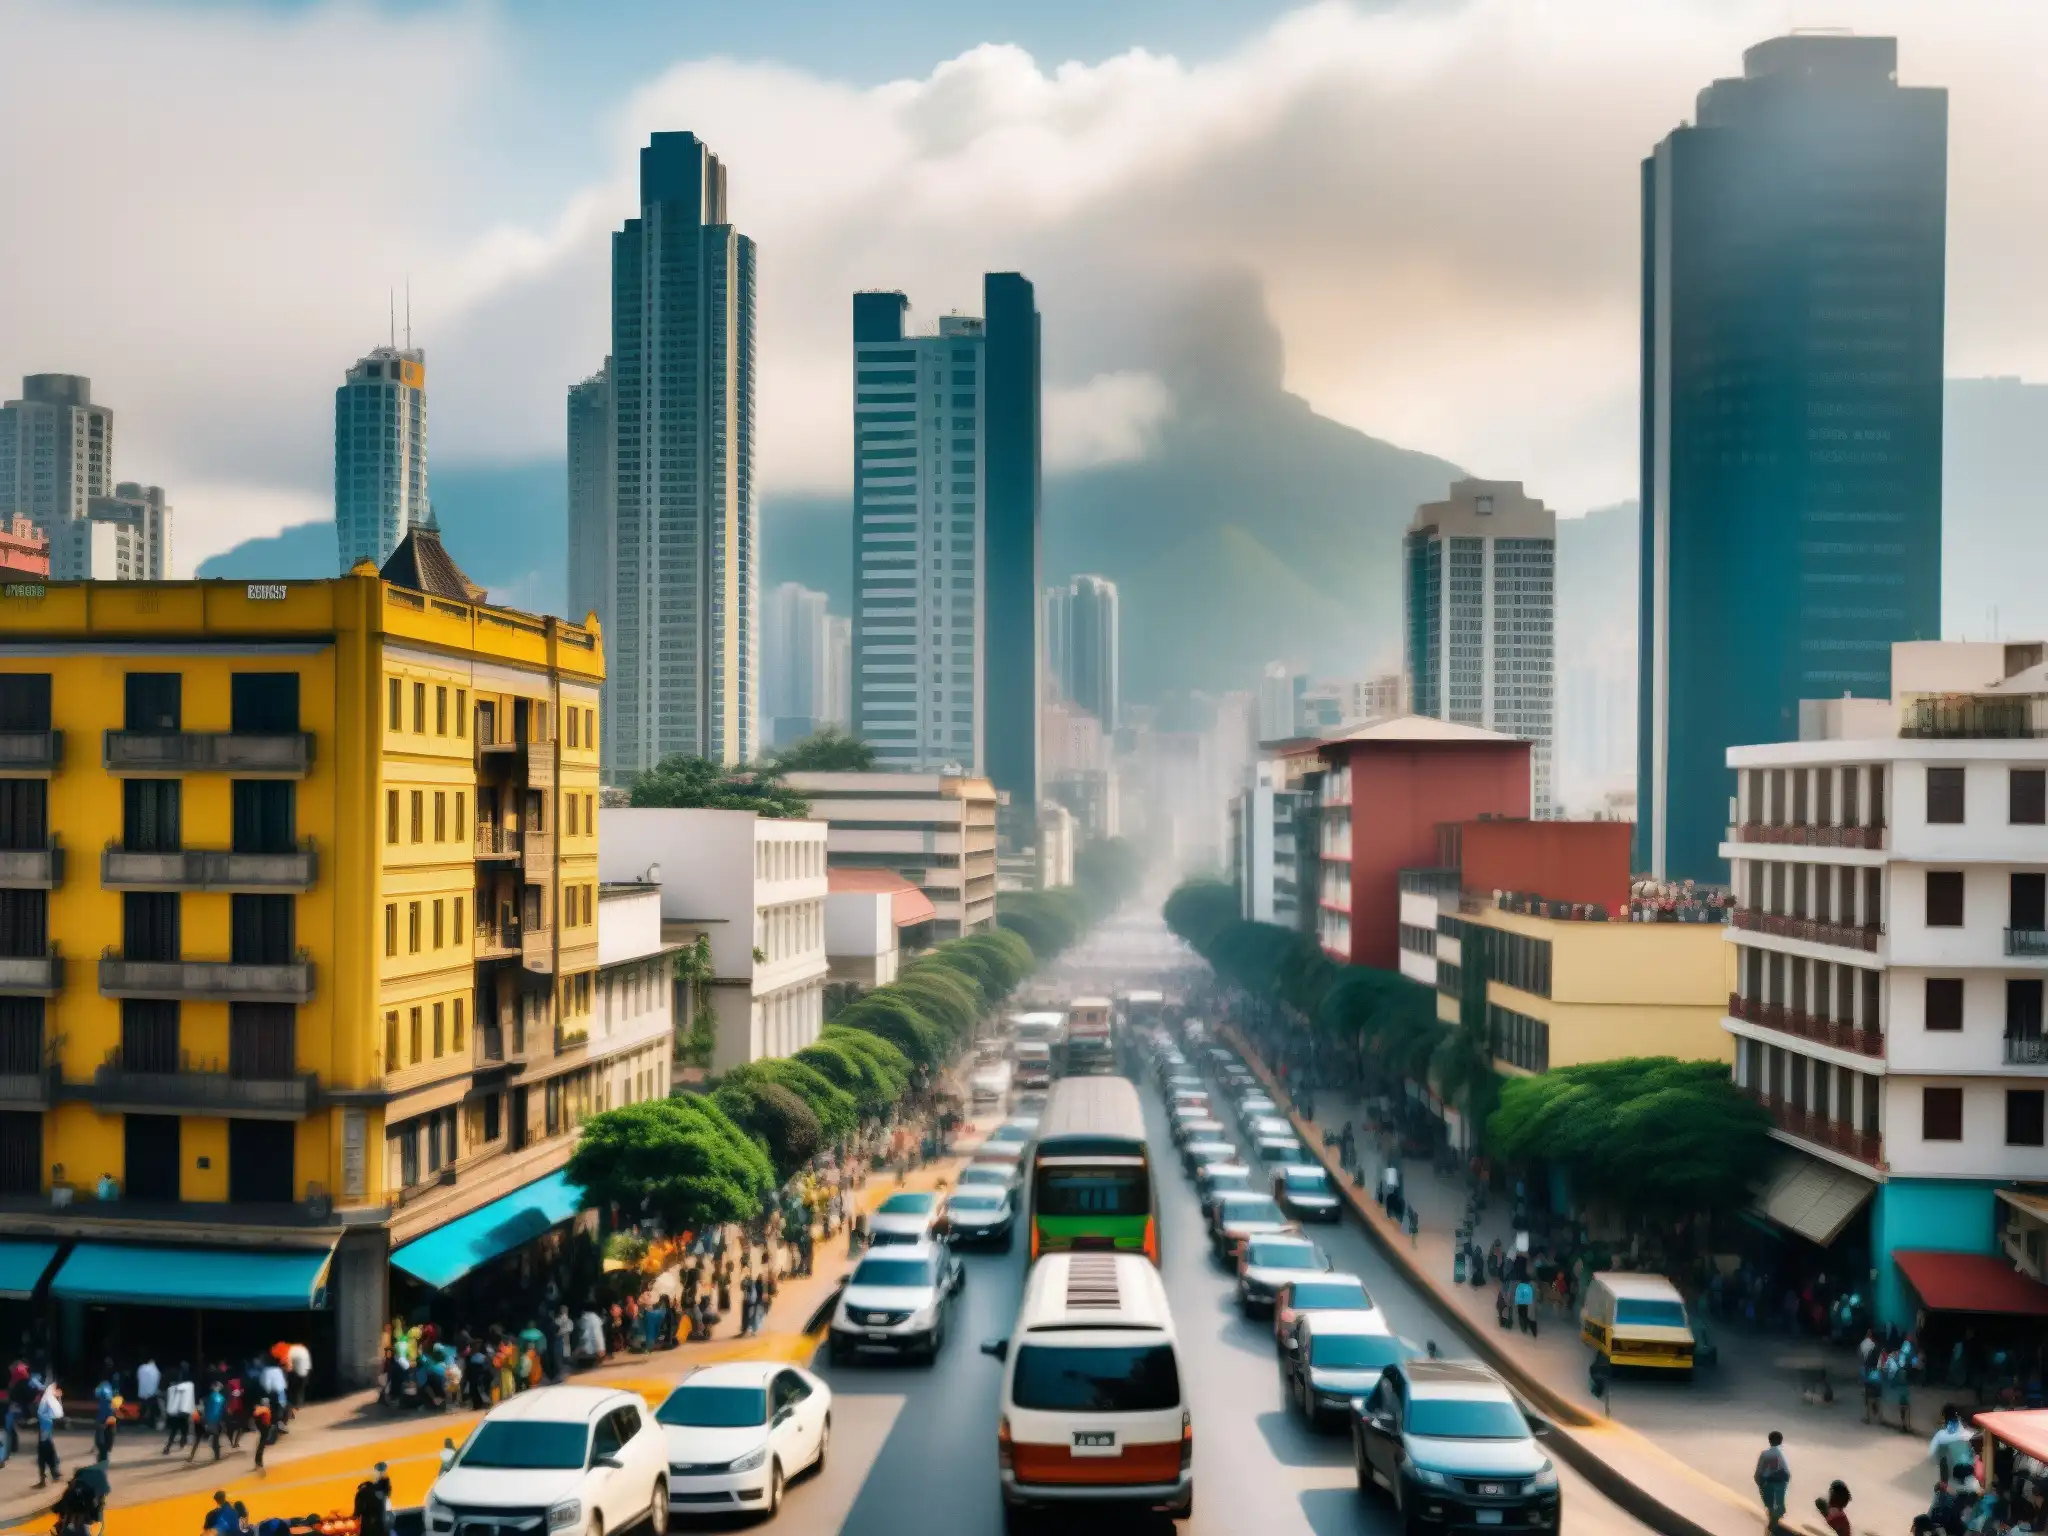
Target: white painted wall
(1981,1154)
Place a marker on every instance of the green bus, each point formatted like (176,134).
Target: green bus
(1091,1173)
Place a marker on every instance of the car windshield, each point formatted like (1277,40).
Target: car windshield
(1331,1296)
(1466,1418)
(977,1200)
(985,1176)
(1139,1378)
(526,1445)
(1284,1255)
(1651,1314)
(908,1204)
(1354,1352)
(1259,1209)
(1307,1181)
(710,1407)
(903,1272)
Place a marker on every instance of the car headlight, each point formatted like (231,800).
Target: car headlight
(1545,1480)
(1428,1476)
(750,1462)
(565,1514)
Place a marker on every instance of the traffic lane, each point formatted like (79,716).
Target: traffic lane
(1257,1465)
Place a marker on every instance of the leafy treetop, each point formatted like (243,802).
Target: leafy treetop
(698,783)
(828,749)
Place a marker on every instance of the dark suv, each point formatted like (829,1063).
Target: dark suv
(1454,1448)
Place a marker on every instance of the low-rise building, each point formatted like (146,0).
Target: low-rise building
(1265,823)
(936,830)
(873,919)
(24,551)
(755,887)
(634,1010)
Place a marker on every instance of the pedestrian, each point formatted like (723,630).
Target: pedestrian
(221,1520)
(106,1415)
(262,1423)
(49,1414)
(299,1364)
(212,1420)
(1834,1509)
(1898,1381)
(1413,1225)
(148,1391)
(276,1390)
(1525,1307)
(564,1343)
(179,1402)
(1773,1477)
(1873,1387)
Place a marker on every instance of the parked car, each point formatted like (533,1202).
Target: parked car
(571,1460)
(736,1433)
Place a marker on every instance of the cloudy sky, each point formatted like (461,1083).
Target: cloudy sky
(204,205)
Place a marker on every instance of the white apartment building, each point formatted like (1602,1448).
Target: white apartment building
(56,450)
(1479,624)
(380,453)
(919,510)
(936,830)
(1266,864)
(756,887)
(1892,939)
(122,537)
(633,1010)
(803,664)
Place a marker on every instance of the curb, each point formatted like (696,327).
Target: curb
(1627,1495)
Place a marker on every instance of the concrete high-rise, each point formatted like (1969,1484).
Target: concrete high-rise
(682,643)
(593,498)
(796,663)
(1088,658)
(122,537)
(1793,285)
(380,454)
(920,551)
(1011,686)
(1479,621)
(56,450)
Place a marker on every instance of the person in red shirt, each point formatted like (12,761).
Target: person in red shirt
(1834,1509)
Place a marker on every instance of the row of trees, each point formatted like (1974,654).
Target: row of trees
(1647,1134)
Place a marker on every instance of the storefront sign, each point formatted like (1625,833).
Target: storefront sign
(267,591)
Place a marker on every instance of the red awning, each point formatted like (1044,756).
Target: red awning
(1972,1282)
(2024,1429)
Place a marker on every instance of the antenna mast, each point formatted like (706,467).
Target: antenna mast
(408,314)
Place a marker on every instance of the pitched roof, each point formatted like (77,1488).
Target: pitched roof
(422,563)
(1401,728)
(909,906)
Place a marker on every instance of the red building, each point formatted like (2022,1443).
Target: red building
(23,550)
(1560,861)
(1386,789)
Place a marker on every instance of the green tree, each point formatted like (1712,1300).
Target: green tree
(838,1114)
(698,783)
(893,1066)
(890,1013)
(948,999)
(777,1118)
(828,749)
(680,1160)
(1198,910)
(869,1087)
(1010,957)
(1048,921)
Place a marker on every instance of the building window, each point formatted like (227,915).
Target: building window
(2027,797)
(1941,1114)
(455,928)
(440,934)
(440,711)
(575,728)
(1945,1002)
(2023,1008)
(573,807)
(391,816)
(419,708)
(494,1117)
(455,1039)
(2029,901)
(419,815)
(154,702)
(390,928)
(461,823)
(391,1062)
(412,918)
(150,819)
(461,712)
(264,702)
(265,815)
(2023,1117)
(440,815)
(394,705)
(440,1042)
(1945,796)
(415,1033)
(1944,898)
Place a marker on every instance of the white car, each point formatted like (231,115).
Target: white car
(908,1216)
(738,1433)
(567,1461)
(988,1176)
(981,1216)
(896,1303)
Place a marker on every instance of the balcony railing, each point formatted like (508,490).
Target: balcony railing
(30,752)
(2026,1051)
(1811,930)
(207,869)
(1809,836)
(30,1090)
(496,941)
(228,981)
(38,869)
(2030,942)
(32,975)
(1864,1146)
(262,754)
(1973,717)
(1807,1026)
(193,1089)
(495,842)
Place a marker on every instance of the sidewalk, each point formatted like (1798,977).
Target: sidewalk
(1690,1447)
(333,1445)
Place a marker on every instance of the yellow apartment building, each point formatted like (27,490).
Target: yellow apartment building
(298,937)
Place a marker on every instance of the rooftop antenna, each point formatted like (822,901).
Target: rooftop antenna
(391,295)
(408,313)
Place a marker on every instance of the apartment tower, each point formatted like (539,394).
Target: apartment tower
(380,454)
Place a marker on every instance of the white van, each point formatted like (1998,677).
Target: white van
(1092,1406)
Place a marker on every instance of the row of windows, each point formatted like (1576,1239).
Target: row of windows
(431,1030)
(439,920)
(1518,1039)
(1418,941)
(2026,797)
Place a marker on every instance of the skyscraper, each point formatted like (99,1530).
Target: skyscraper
(1088,651)
(681,648)
(1011,654)
(796,663)
(56,450)
(1479,622)
(1793,248)
(380,453)
(593,502)
(920,539)
(122,537)
(1281,690)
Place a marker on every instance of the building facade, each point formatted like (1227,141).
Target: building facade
(936,830)
(1011,681)
(1265,857)
(683,638)
(1479,620)
(797,673)
(380,454)
(122,537)
(633,1008)
(1081,647)
(323,984)
(24,550)
(1791,505)
(56,450)
(920,538)
(593,493)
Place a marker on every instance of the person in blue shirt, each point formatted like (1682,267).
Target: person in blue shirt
(213,1415)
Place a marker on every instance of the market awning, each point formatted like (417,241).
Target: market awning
(448,1253)
(21,1266)
(1813,1198)
(2024,1429)
(230,1279)
(1971,1282)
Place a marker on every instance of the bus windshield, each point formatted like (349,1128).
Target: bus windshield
(1091,1177)
(1098,1191)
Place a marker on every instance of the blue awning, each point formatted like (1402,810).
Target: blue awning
(21,1266)
(448,1253)
(230,1279)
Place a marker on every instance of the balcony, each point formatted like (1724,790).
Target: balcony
(201,1090)
(496,941)
(495,1046)
(32,975)
(537,950)
(497,842)
(223,981)
(248,754)
(1863,1146)
(2026,1051)
(36,869)
(2032,943)
(1972,717)
(30,754)
(1807,1026)
(207,869)
(30,1090)
(1810,930)
(1809,836)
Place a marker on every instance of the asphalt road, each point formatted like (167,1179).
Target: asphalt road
(932,1472)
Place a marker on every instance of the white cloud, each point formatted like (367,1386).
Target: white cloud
(1440,203)
(1111,418)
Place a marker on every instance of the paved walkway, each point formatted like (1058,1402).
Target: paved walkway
(333,1445)
(1693,1447)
